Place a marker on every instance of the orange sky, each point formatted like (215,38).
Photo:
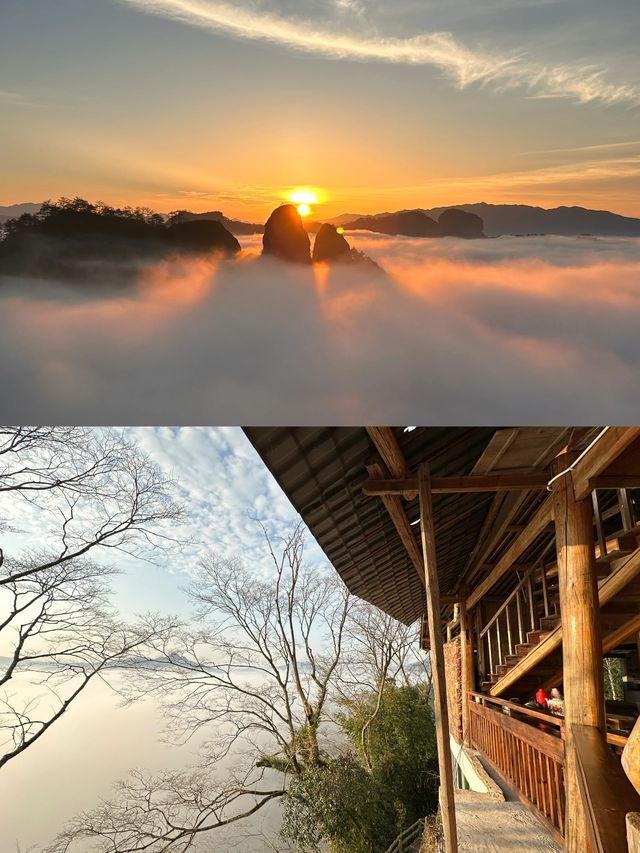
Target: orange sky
(202,104)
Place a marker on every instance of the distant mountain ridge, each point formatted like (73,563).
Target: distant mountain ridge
(235,226)
(498,219)
(452,222)
(12,210)
(515,219)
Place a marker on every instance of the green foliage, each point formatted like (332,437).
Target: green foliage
(357,811)
(401,743)
(340,804)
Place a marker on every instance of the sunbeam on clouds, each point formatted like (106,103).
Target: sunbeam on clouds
(464,65)
(499,330)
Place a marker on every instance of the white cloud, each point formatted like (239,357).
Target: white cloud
(462,64)
(225,489)
(484,331)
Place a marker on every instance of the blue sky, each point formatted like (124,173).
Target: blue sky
(205,104)
(223,484)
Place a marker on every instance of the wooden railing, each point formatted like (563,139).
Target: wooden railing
(519,614)
(606,792)
(528,755)
(408,841)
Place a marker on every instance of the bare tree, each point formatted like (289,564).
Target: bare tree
(380,649)
(95,490)
(90,491)
(259,676)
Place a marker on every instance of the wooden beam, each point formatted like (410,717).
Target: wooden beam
(542,517)
(387,446)
(621,634)
(466,669)
(447,799)
(581,638)
(408,486)
(393,505)
(604,452)
(616,481)
(504,508)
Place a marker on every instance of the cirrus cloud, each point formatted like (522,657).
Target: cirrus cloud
(462,64)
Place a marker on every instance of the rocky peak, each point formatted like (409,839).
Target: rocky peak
(285,236)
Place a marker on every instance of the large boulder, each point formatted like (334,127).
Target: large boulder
(330,246)
(202,236)
(285,236)
(460,223)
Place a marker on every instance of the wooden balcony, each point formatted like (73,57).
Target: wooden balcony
(526,749)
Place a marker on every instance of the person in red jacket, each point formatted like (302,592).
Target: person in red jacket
(542,698)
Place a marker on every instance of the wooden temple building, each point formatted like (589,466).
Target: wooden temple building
(519,549)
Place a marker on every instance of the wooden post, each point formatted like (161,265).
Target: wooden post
(631,757)
(581,637)
(466,669)
(447,800)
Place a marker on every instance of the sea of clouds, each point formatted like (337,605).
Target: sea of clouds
(486,331)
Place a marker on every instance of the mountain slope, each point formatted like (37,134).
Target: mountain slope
(12,210)
(569,221)
(509,219)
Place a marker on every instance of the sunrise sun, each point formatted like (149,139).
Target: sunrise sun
(304,199)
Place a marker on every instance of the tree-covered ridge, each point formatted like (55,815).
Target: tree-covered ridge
(73,237)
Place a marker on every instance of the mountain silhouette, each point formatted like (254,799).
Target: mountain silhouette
(235,226)
(285,236)
(11,211)
(411,223)
(330,246)
(503,219)
(417,223)
(72,238)
(460,223)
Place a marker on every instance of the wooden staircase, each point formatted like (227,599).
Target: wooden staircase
(521,650)
(531,613)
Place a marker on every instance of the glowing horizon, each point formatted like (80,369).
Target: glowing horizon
(429,105)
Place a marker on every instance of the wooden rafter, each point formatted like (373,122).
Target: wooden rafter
(408,487)
(387,446)
(603,454)
(542,517)
(395,509)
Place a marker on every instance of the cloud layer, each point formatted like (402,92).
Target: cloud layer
(505,330)
(462,64)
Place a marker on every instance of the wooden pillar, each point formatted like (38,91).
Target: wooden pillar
(631,757)
(447,800)
(466,669)
(581,637)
